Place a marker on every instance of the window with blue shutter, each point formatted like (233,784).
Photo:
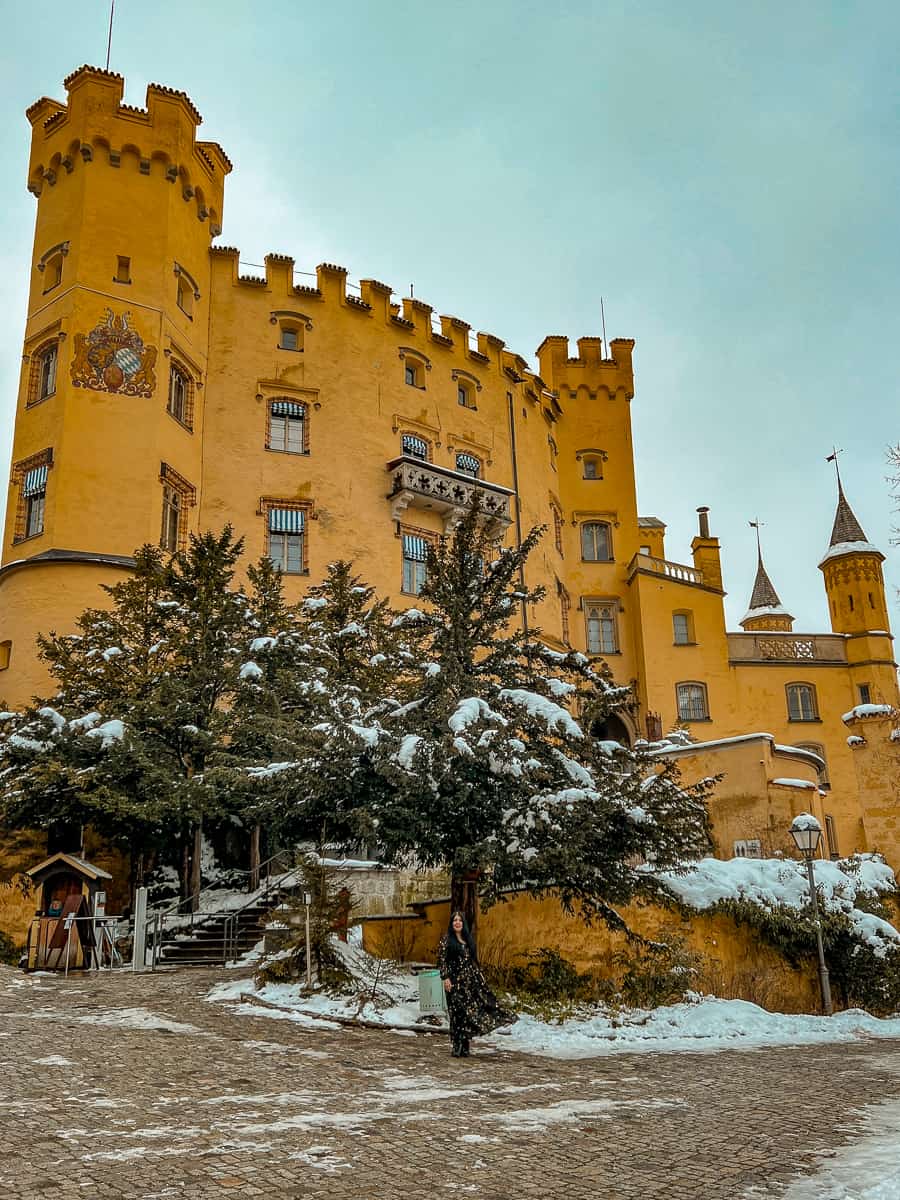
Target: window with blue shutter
(285,539)
(415,562)
(287,427)
(415,447)
(468,464)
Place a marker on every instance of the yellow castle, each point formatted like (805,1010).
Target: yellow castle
(163,392)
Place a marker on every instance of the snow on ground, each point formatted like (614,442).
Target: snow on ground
(701,1024)
(125,1018)
(772,883)
(867,1169)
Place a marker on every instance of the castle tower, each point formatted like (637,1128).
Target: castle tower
(107,446)
(856,601)
(766,613)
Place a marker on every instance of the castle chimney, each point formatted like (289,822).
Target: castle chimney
(704,521)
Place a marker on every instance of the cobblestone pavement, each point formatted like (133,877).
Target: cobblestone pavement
(124,1086)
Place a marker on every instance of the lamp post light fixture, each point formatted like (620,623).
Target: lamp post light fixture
(807,833)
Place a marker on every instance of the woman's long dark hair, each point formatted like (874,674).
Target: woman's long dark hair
(453,947)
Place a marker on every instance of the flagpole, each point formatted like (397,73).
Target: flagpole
(112,11)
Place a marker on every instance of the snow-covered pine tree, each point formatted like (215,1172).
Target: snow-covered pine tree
(492,766)
(320,686)
(143,707)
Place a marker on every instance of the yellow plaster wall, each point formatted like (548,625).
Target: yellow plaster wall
(876,759)
(736,963)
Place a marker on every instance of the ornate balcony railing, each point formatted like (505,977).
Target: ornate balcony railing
(419,484)
(661,566)
(786,647)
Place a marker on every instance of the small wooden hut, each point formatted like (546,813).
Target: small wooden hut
(70,894)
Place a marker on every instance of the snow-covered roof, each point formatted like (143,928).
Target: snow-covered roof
(867,710)
(841,548)
(794,783)
(765,610)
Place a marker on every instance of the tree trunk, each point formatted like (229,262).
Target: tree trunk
(185,867)
(464,897)
(254,857)
(195,866)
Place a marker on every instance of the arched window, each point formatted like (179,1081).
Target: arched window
(693,702)
(817,748)
(414,446)
(181,396)
(42,377)
(468,464)
(596,542)
(288,427)
(600,620)
(801,702)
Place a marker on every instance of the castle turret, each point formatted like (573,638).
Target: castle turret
(766,612)
(115,351)
(857,605)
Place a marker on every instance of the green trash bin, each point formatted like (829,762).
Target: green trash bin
(432,997)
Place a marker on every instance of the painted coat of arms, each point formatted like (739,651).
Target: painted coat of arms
(113,358)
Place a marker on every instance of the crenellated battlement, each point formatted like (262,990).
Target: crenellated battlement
(565,375)
(95,127)
(417,319)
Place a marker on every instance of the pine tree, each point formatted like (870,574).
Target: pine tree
(491,766)
(144,707)
(313,693)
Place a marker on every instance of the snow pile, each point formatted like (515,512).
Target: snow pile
(387,995)
(773,884)
(867,710)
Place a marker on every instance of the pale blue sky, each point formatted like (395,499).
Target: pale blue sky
(725,176)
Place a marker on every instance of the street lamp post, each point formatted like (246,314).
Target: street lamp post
(807,833)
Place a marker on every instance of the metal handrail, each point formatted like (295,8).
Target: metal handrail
(232,918)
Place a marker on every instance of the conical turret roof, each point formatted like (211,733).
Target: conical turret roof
(764,594)
(764,600)
(847,535)
(846,528)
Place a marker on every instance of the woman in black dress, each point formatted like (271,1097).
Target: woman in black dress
(472,1006)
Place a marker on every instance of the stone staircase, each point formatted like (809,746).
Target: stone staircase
(217,938)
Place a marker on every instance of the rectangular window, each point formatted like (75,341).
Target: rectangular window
(602,636)
(596,543)
(34,492)
(177,497)
(171,518)
(748,848)
(185,296)
(681,628)
(48,361)
(180,396)
(123,270)
(286,533)
(692,702)
(557,528)
(415,563)
(802,702)
(564,605)
(865,693)
(831,838)
(287,430)
(290,339)
(411,375)
(53,272)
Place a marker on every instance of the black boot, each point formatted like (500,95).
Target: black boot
(464,1049)
(457,1050)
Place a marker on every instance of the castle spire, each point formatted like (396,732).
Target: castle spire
(847,535)
(766,612)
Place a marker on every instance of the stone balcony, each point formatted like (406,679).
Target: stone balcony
(419,484)
(772,646)
(678,572)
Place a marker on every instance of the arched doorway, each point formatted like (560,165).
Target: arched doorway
(613,728)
